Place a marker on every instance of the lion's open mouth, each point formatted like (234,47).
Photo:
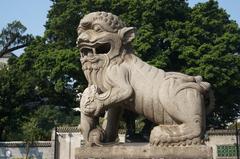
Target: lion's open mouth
(92,49)
(103,48)
(86,51)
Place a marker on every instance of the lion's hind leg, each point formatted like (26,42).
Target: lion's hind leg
(186,109)
(175,135)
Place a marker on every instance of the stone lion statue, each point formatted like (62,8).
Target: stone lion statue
(118,79)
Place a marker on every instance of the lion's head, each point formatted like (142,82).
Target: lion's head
(103,33)
(101,37)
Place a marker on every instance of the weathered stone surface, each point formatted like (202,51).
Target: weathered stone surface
(144,151)
(118,79)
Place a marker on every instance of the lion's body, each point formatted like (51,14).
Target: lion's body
(145,99)
(119,79)
(152,89)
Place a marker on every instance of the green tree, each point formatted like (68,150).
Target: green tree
(38,124)
(30,131)
(172,36)
(208,44)
(9,109)
(12,37)
(41,76)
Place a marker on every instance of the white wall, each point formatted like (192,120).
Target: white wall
(70,138)
(66,144)
(16,149)
(220,137)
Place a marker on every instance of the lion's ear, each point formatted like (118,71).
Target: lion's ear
(127,34)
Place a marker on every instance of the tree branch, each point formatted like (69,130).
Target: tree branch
(12,49)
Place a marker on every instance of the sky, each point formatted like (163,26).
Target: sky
(33,13)
(232,7)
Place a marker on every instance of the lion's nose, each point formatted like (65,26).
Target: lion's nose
(84,37)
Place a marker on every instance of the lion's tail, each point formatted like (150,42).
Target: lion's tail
(211,104)
(208,93)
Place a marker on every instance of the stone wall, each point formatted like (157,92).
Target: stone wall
(63,142)
(16,149)
(70,138)
(67,139)
(221,138)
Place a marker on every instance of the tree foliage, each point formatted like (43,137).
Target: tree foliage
(208,44)
(41,76)
(38,124)
(170,35)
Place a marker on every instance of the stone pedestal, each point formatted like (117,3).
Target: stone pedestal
(143,150)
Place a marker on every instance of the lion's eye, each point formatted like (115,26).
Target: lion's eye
(97,28)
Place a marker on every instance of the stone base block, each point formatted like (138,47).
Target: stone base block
(144,150)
